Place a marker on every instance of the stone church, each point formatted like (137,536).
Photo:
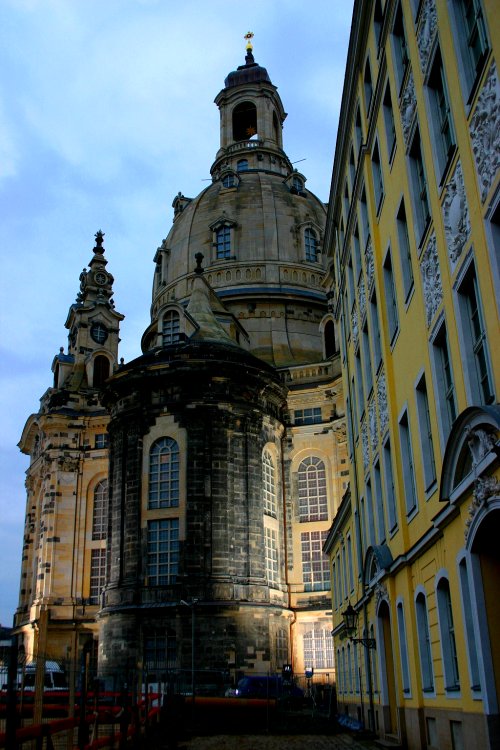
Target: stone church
(177,504)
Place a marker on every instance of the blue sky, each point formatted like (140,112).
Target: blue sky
(106,113)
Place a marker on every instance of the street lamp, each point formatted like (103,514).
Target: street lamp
(350,617)
(191,604)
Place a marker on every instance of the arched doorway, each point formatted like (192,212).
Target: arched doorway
(386,668)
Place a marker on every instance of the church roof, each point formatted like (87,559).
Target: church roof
(250,72)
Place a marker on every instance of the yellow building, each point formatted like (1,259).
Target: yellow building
(414,240)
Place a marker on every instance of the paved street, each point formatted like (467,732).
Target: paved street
(276,742)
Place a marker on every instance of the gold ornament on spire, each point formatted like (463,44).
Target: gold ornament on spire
(248,36)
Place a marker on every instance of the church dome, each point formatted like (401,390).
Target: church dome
(259,229)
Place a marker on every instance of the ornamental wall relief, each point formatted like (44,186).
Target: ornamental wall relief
(369,263)
(408,108)
(431,279)
(456,215)
(484,488)
(426,31)
(382,402)
(485,132)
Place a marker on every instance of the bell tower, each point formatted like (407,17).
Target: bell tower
(251,117)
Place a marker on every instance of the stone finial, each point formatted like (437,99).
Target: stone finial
(99,239)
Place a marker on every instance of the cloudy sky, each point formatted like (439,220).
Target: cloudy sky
(106,112)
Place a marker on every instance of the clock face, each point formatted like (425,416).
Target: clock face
(99,333)
(101,277)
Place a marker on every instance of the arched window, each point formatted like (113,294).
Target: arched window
(269,483)
(223,241)
(228,180)
(311,244)
(312,490)
(100,511)
(242,165)
(329,338)
(164,474)
(244,121)
(424,643)
(170,327)
(447,632)
(470,630)
(101,370)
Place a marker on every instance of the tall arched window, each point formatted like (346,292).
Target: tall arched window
(100,511)
(470,630)
(170,327)
(424,643)
(312,490)
(101,370)
(329,338)
(447,632)
(164,474)
(311,244)
(269,483)
(244,121)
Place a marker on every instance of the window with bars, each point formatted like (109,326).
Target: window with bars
(97,574)
(160,650)
(269,484)
(163,551)
(318,648)
(313,504)
(315,565)
(271,555)
(170,327)
(311,244)
(164,474)
(100,511)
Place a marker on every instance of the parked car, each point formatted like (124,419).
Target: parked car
(269,686)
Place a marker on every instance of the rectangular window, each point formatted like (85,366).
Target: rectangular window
(404,250)
(378,182)
(390,298)
(424,424)
(444,389)
(347,202)
(477,366)
(424,644)
(472,42)
(97,574)
(160,650)
(307,416)
(390,125)
(375,327)
(352,169)
(389,487)
(419,188)
(271,553)
(358,132)
(315,565)
(441,119)
(359,385)
(223,242)
(365,222)
(163,551)
(102,440)
(350,563)
(370,520)
(400,47)
(367,364)
(379,503)
(368,86)
(356,251)
(407,464)
(350,283)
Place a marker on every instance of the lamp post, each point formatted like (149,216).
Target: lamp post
(191,605)
(350,617)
